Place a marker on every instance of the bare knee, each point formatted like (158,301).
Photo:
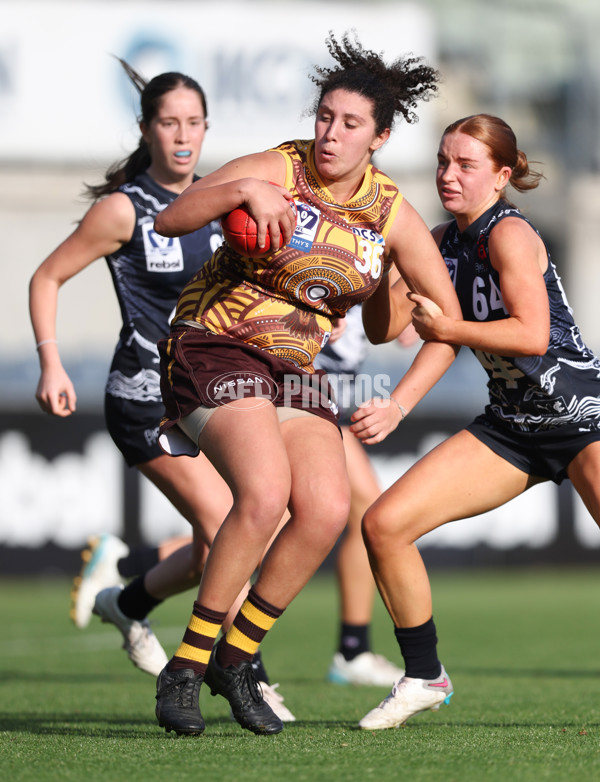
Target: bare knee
(337,512)
(264,508)
(328,519)
(194,570)
(382,528)
(198,552)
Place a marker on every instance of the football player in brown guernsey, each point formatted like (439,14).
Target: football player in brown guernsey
(237,374)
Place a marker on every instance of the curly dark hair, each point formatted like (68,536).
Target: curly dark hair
(393,89)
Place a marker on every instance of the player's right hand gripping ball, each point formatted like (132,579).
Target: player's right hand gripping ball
(240,232)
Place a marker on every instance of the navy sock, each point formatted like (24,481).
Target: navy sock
(259,668)
(354,640)
(139,561)
(418,646)
(135,602)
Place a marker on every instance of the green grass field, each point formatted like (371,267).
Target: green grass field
(522,648)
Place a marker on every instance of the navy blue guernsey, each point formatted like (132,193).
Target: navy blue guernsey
(530,393)
(347,354)
(149,273)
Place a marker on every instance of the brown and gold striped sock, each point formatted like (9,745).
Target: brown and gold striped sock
(198,640)
(254,619)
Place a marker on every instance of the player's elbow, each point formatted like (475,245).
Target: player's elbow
(540,339)
(375,337)
(536,348)
(378,334)
(541,347)
(536,343)
(162,225)
(377,325)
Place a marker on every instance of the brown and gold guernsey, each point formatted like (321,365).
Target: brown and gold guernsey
(284,302)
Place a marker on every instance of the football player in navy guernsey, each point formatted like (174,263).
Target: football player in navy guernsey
(148,272)
(543,418)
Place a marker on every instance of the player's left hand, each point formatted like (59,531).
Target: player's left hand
(427,317)
(375,419)
(338,328)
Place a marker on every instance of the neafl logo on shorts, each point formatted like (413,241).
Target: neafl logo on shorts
(233,386)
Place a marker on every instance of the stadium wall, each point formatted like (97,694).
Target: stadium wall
(62,481)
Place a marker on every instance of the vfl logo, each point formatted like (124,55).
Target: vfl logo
(307,222)
(451,265)
(232,386)
(163,253)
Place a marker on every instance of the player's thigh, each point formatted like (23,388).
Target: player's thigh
(319,479)
(243,441)
(584,474)
(364,484)
(459,478)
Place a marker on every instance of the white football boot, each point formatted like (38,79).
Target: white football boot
(407,698)
(275,701)
(99,571)
(140,643)
(367,669)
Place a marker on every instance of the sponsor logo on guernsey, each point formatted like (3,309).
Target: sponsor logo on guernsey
(368,234)
(307,223)
(163,253)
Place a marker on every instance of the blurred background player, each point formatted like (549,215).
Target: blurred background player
(148,272)
(354,662)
